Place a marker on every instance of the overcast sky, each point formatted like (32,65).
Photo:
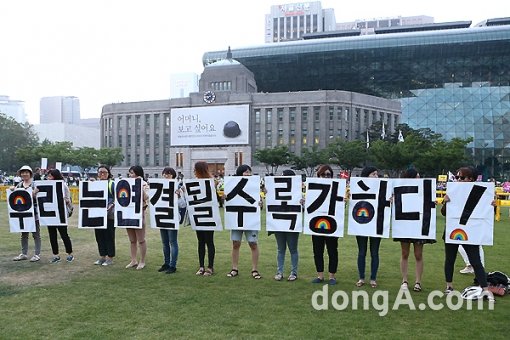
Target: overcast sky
(107,51)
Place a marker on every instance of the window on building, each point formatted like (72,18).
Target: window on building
(128,138)
(257,138)
(120,140)
(279,114)
(238,158)
(331,113)
(304,115)
(292,114)
(179,159)
(257,116)
(317,113)
(269,116)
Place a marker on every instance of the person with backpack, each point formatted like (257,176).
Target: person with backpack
(25,173)
(105,238)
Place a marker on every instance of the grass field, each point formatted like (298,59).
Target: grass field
(80,300)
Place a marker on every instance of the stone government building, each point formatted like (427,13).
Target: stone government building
(299,120)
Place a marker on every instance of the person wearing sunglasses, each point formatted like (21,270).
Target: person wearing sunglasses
(330,242)
(464,174)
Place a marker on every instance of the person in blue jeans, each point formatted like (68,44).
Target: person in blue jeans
(362,241)
(169,236)
(283,240)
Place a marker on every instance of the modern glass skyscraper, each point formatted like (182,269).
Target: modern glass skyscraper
(450,77)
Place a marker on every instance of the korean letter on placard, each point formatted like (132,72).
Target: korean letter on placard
(163,203)
(325,207)
(283,203)
(51,204)
(20,208)
(414,208)
(93,202)
(242,202)
(469,214)
(128,203)
(369,207)
(203,207)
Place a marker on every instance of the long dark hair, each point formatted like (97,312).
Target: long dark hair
(169,171)
(56,174)
(202,170)
(137,170)
(102,166)
(323,168)
(241,169)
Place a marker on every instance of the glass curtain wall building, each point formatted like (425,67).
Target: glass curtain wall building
(451,78)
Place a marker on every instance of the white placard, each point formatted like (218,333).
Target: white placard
(242,202)
(469,214)
(93,204)
(325,207)
(58,166)
(283,203)
(20,207)
(203,206)
(369,207)
(129,203)
(44,163)
(51,203)
(163,203)
(414,209)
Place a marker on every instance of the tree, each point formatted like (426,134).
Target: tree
(13,136)
(110,156)
(273,158)
(347,154)
(309,159)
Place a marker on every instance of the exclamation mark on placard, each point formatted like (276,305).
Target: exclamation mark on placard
(474,197)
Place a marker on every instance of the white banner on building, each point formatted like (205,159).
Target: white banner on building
(242,202)
(163,203)
(369,207)
(203,206)
(469,214)
(20,208)
(325,207)
(283,203)
(210,125)
(93,204)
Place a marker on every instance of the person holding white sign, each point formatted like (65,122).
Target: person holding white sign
(56,175)
(105,238)
(137,236)
(25,173)
(205,237)
(405,245)
(169,236)
(236,236)
(330,242)
(375,242)
(464,174)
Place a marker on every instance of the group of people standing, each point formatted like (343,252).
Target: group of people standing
(105,238)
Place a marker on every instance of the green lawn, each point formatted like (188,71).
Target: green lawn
(80,300)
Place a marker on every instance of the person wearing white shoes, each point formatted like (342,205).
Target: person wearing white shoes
(468,269)
(26,173)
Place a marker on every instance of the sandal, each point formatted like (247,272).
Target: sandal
(373,284)
(233,273)
(417,287)
(208,272)
(278,276)
(200,271)
(256,275)
(360,283)
(404,285)
(292,277)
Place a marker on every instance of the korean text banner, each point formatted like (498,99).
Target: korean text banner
(469,214)
(93,204)
(51,203)
(203,206)
(163,203)
(242,199)
(283,203)
(20,208)
(209,125)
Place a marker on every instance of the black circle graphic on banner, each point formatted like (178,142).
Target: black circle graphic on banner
(323,225)
(363,212)
(123,190)
(19,200)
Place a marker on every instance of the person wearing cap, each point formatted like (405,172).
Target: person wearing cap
(26,173)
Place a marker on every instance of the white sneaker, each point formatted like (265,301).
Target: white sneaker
(35,258)
(20,257)
(467,270)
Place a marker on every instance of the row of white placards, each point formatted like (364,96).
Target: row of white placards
(375,206)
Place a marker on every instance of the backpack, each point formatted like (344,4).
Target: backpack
(498,283)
